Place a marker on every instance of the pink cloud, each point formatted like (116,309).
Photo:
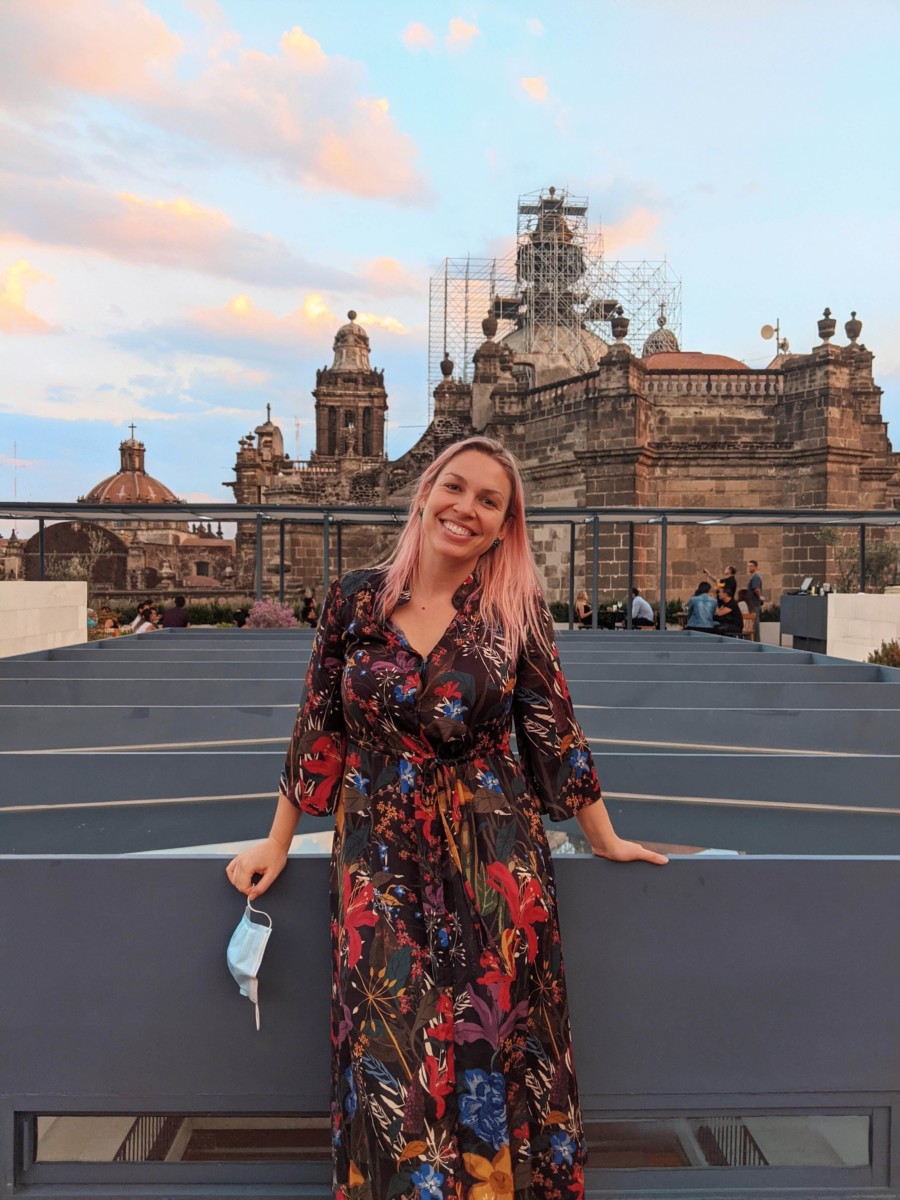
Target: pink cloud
(461,34)
(310,323)
(417,37)
(635,230)
(388,277)
(15,316)
(301,110)
(96,47)
(173,232)
(536,87)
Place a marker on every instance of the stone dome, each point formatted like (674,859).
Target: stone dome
(661,340)
(131,484)
(557,352)
(351,347)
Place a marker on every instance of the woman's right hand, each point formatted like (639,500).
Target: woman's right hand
(266,859)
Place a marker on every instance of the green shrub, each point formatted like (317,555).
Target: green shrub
(770,612)
(559,610)
(887,654)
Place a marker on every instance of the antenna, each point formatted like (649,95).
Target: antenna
(782,345)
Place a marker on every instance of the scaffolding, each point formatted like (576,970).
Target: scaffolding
(555,287)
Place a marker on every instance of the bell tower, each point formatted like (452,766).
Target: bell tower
(351,402)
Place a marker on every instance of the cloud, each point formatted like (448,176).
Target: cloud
(300,110)
(417,37)
(113,405)
(243,331)
(535,86)
(166,232)
(461,34)
(114,48)
(634,230)
(7,460)
(15,316)
(533,25)
(388,277)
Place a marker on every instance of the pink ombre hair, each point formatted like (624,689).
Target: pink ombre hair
(510,595)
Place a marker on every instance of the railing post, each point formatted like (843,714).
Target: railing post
(595,586)
(862,558)
(628,624)
(571,575)
(326,554)
(663,555)
(259,556)
(42,558)
(281,561)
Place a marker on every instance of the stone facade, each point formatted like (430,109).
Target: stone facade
(666,429)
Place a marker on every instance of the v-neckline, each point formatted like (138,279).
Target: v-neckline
(408,644)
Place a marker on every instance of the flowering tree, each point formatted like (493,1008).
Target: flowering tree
(269,614)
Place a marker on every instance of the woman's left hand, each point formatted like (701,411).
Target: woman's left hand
(621,850)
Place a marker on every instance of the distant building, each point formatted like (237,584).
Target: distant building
(143,556)
(662,427)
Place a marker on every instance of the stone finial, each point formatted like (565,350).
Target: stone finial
(619,324)
(446,365)
(827,326)
(351,315)
(489,326)
(853,328)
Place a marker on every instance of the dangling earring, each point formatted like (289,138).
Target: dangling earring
(495,543)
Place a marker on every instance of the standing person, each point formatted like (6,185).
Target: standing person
(701,609)
(755,598)
(177,616)
(641,613)
(452,1062)
(728,580)
(309,614)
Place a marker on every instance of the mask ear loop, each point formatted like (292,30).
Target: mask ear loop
(259,912)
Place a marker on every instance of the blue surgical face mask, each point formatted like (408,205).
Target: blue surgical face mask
(245,953)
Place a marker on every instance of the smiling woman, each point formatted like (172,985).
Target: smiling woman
(452,1070)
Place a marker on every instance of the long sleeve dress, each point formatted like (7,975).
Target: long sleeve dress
(452,1060)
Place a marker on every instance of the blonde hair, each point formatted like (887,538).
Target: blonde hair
(510,595)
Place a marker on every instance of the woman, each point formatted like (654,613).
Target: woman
(150,621)
(308,612)
(701,609)
(452,1062)
(583,610)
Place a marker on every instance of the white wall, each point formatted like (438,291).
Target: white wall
(39,616)
(858,624)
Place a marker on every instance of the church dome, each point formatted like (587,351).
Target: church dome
(661,340)
(351,347)
(131,484)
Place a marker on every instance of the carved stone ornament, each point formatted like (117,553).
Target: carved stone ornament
(827,326)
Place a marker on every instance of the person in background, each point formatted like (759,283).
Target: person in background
(177,616)
(729,619)
(91,619)
(583,611)
(728,580)
(240,617)
(641,613)
(309,614)
(755,598)
(701,609)
(742,601)
(141,614)
(150,621)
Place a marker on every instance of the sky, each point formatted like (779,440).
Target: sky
(194,193)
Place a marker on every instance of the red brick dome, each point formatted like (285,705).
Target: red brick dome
(131,484)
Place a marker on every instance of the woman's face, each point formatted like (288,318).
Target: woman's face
(466,508)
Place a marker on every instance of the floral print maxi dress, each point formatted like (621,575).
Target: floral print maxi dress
(452,1058)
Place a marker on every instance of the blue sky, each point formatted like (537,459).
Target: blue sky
(193,194)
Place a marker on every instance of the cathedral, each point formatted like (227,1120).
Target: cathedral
(598,422)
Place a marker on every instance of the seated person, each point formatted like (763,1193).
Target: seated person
(641,613)
(150,622)
(177,616)
(743,601)
(701,609)
(583,611)
(729,619)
